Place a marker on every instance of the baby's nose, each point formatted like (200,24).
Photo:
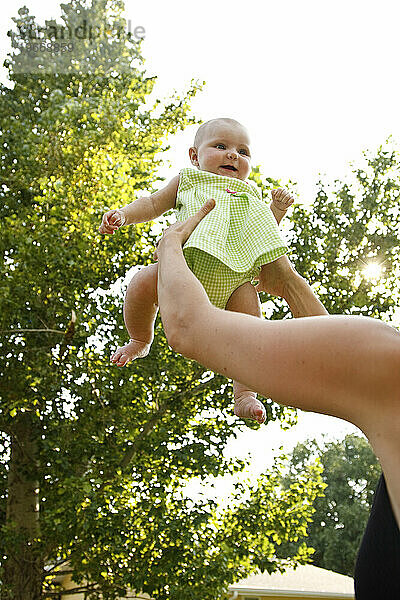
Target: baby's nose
(232,154)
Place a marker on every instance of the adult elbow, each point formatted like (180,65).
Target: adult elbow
(178,335)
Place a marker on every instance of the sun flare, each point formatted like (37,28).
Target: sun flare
(372,270)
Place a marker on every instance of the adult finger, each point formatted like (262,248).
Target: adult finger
(185,228)
(192,222)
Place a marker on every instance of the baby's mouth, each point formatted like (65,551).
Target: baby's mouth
(230,167)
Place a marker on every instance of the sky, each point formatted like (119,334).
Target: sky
(314,81)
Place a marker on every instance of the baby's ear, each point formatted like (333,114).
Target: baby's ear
(193,156)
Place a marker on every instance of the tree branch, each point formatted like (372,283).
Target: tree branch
(153,421)
(130,453)
(76,590)
(18,331)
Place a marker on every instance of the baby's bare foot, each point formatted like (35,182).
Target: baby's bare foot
(134,349)
(248,407)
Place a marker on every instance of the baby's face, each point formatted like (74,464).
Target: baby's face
(224,150)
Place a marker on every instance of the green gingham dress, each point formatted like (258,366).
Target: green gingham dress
(234,240)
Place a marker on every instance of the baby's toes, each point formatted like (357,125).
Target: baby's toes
(114,357)
(122,361)
(135,349)
(119,358)
(248,407)
(259,413)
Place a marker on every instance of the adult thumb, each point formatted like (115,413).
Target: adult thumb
(201,213)
(209,205)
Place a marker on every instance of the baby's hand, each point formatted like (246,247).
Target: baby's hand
(281,199)
(111,221)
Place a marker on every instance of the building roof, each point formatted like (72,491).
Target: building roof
(305,578)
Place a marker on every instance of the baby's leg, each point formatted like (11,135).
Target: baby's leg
(245,300)
(140,311)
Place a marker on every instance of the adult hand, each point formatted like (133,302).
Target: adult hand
(274,276)
(181,230)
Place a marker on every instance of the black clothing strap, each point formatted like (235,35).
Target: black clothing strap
(377,570)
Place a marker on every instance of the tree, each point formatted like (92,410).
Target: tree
(350,472)
(94,457)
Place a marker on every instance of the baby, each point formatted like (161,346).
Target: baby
(226,251)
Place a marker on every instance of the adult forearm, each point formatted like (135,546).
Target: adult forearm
(180,294)
(301,298)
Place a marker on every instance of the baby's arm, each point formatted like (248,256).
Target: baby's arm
(281,200)
(141,210)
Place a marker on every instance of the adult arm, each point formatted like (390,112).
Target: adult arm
(344,366)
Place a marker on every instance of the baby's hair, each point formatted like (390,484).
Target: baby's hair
(203,128)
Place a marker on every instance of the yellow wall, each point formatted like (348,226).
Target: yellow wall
(68,584)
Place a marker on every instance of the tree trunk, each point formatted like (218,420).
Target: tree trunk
(23,567)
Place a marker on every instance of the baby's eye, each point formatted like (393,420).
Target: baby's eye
(221,146)
(243,152)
